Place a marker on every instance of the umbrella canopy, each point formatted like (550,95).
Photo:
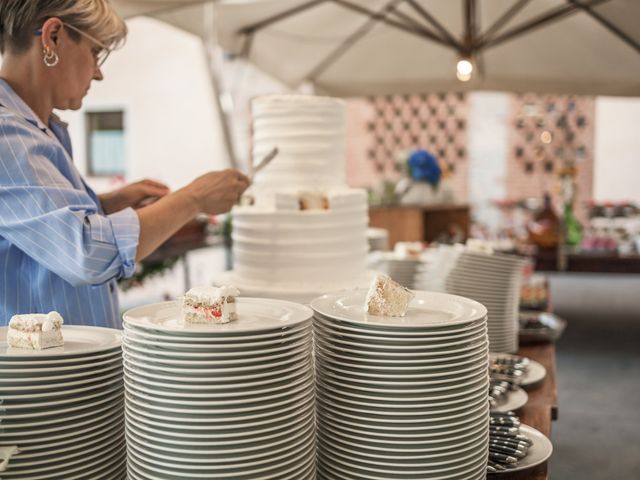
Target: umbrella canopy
(358,47)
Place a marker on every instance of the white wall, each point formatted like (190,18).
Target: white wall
(617,149)
(160,79)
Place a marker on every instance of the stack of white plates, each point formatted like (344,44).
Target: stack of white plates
(401,398)
(227,401)
(400,268)
(493,280)
(436,264)
(378,239)
(63,407)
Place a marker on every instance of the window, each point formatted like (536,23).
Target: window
(105,143)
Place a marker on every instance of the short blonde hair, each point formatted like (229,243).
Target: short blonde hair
(19,19)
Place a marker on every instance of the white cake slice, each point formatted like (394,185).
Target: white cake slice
(388,298)
(35,331)
(210,305)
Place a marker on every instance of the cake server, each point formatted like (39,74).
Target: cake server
(264,162)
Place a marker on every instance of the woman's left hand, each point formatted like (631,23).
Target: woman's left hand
(134,195)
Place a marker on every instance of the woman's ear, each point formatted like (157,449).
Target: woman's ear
(51,29)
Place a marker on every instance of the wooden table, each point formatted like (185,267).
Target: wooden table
(420,224)
(541,408)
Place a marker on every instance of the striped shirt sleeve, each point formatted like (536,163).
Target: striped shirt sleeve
(57,225)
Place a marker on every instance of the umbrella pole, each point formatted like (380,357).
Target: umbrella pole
(209,48)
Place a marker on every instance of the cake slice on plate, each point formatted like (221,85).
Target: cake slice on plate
(388,298)
(35,331)
(210,305)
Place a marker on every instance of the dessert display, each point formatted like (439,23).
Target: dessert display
(299,231)
(386,297)
(35,331)
(210,304)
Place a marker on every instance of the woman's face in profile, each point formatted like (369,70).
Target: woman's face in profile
(76,69)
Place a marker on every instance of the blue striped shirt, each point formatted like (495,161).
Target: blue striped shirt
(58,249)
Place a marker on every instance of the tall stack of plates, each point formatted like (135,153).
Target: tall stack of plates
(436,264)
(378,239)
(493,280)
(226,401)
(63,407)
(401,268)
(401,398)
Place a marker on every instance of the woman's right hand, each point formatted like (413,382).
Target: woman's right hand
(217,192)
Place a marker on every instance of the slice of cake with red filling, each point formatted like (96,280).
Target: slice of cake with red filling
(210,305)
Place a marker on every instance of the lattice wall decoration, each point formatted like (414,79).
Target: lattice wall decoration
(549,131)
(435,122)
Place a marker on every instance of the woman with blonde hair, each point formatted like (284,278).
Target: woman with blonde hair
(62,247)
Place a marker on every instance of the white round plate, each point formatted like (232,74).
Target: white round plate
(78,340)
(228,397)
(171,399)
(515,400)
(425,385)
(151,404)
(168,345)
(60,388)
(369,329)
(427,310)
(217,340)
(404,343)
(101,425)
(254,315)
(337,472)
(452,464)
(342,391)
(215,384)
(228,461)
(403,369)
(190,370)
(146,470)
(66,467)
(342,328)
(26,460)
(220,450)
(539,452)
(408,428)
(350,444)
(382,378)
(144,355)
(220,382)
(110,396)
(27,382)
(206,458)
(51,420)
(57,367)
(357,359)
(19,398)
(207,431)
(246,353)
(63,424)
(469,415)
(224,421)
(40,408)
(413,357)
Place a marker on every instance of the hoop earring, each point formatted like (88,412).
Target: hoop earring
(50,58)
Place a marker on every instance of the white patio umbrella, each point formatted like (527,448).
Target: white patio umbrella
(356,47)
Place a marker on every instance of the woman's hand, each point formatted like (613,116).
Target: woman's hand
(134,195)
(217,192)
(212,193)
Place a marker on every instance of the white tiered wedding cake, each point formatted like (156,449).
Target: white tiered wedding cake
(300,231)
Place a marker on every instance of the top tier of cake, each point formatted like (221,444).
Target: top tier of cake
(309,132)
